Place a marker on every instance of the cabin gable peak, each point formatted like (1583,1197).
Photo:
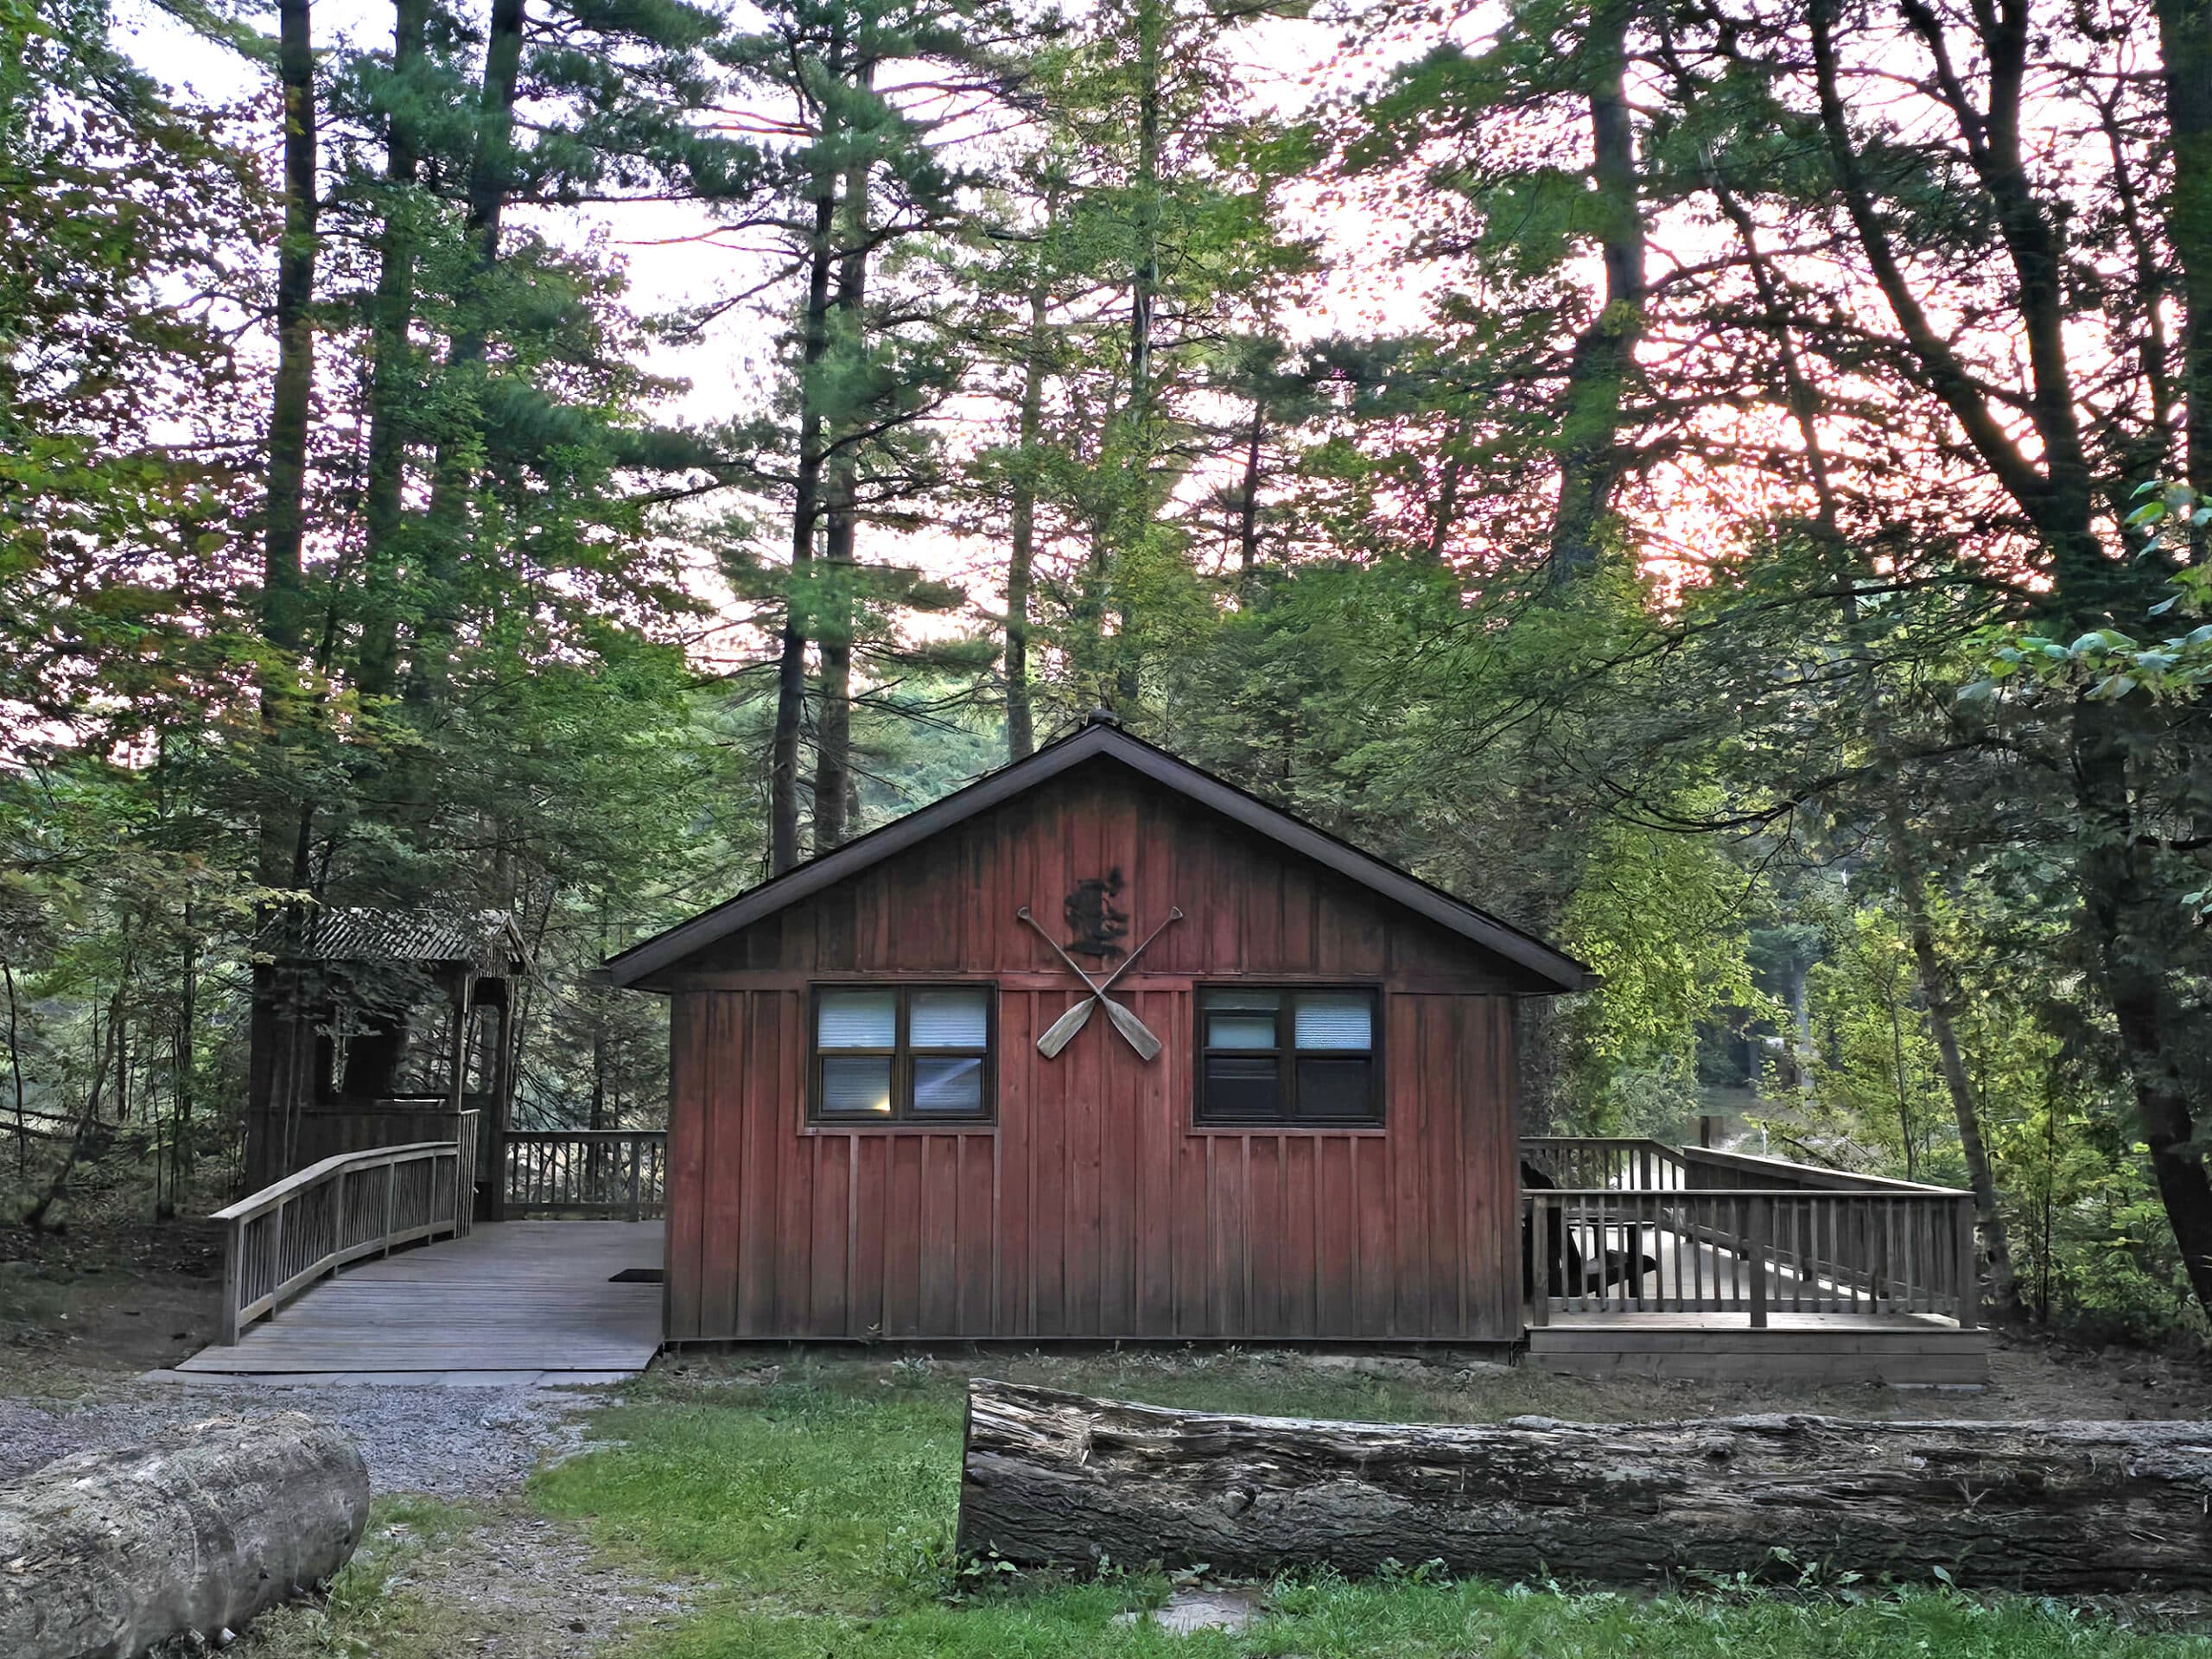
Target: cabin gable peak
(1101,738)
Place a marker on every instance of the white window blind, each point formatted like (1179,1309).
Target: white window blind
(859,1020)
(949,1019)
(856,1086)
(1335,1022)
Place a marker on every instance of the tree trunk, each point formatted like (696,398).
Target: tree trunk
(1021,715)
(491,177)
(103,1061)
(283,617)
(1051,1479)
(806,514)
(2185,48)
(16,1066)
(283,593)
(2153,1031)
(833,737)
(392,313)
(1590,461)
(112,1551)
(1144,285)
(1248,502)
(1938,990)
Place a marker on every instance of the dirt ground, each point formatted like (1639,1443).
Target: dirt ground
(78,1311)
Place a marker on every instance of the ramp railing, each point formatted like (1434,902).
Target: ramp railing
(291,1233)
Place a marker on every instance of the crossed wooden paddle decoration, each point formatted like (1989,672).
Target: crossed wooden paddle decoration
(1062,1031)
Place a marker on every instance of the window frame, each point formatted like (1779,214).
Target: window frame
(902,1055)
(1286,1054)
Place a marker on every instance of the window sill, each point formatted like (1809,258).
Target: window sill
(950,1126)
(1363,1131)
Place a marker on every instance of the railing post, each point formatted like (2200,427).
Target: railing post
(1539,1257)
(391,1200)
(1755,1252)
(233,1280)
(1969,1267)
(637,1146)
(276,1245)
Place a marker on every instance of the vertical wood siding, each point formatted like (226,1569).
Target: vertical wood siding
(1092,1208)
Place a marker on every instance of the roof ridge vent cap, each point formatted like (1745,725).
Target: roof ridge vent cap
(1102,716)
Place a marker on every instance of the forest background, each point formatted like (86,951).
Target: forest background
(1717,482)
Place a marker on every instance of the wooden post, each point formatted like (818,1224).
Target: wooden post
(390,1199)
(1540,1256)
(1969,1267)
(636,1146)
(276,1247)
(1755,1252)
(234,1279)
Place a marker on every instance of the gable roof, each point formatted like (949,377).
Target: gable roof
(424,935)
(1101,736)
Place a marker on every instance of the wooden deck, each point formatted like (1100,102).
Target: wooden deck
(514,1297)
(1725,1267)
(1905,1350)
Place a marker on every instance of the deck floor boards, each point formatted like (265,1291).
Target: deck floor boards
(512,1296)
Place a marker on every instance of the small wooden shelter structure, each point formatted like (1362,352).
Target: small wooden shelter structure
(382,1027)
(1098,1047)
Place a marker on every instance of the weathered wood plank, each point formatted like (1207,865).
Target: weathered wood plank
(512,1296)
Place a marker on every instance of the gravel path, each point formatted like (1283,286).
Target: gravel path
(454,1442)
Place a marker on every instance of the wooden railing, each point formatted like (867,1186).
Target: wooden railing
(1638,1226)
(1752,1253)
(284,1238)
(1706,1170)
(1592,1160)
(587,1172)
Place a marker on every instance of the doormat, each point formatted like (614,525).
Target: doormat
(635,1276)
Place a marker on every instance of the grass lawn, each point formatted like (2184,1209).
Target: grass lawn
(817,1511)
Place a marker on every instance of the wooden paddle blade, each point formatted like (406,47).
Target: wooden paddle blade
(1062,1031)
(1130,1027)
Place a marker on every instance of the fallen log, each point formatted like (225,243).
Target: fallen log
(1057,1479)
(103,1555)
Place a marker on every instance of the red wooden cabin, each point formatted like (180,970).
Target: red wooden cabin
(866,1141)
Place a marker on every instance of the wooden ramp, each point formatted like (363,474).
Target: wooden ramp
(515,1297)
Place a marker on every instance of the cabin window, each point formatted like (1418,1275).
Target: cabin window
(902,1053)
(1287,1056)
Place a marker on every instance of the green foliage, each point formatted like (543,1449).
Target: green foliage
(1874,1082)
(1663,920)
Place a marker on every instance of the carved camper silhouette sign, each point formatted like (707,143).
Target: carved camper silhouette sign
(1097,926)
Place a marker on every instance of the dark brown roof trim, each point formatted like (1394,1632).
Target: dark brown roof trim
(1559,971)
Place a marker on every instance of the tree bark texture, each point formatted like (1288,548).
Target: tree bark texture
(383,502)
(1592,462)
(2185,51)
(108,1553)
(784,849)
(1020,718)
(491,181)
(1938,990)
(284,584)
(833,745)
(1053,1478)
